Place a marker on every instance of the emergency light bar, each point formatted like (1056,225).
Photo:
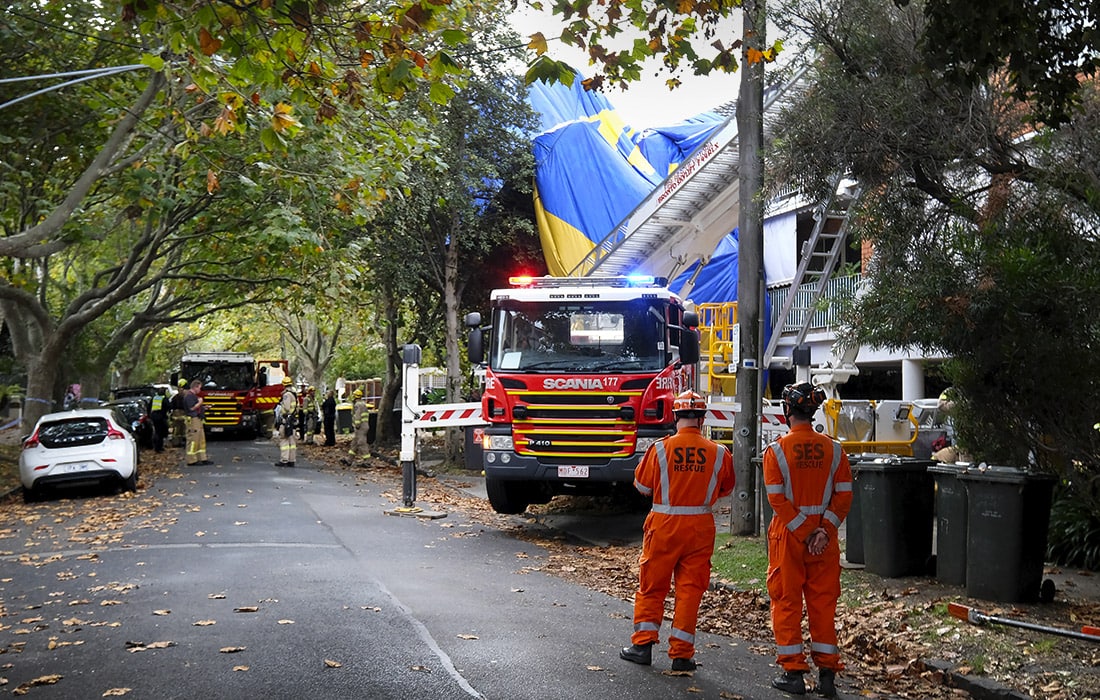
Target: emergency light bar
(616,281)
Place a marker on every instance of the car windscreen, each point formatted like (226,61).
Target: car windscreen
(73,433)
(219,376)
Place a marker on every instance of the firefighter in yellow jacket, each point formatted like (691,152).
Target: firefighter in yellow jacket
(685,474)
(286,422)
(809,485)
(360,423)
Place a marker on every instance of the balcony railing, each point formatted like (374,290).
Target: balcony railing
(826,315)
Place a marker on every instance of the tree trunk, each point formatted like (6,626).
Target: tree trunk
(391,387)
(453,444)
(42,383)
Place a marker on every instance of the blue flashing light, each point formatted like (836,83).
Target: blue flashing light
(640,279)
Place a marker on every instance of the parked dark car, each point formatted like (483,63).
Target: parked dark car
(134,415)
(145,391)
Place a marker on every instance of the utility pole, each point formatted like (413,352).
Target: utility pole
(750,272)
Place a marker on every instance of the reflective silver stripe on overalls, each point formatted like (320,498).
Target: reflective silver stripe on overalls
(712,487)
(804,512)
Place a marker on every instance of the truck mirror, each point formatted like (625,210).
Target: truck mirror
(474,350)
(689,345)
(691,319)
(473,319)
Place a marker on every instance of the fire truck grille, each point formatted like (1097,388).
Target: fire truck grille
(221,410)
(568,399)
(573,427)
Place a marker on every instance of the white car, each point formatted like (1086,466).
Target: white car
(76,448)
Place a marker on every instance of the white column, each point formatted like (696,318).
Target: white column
(912,380)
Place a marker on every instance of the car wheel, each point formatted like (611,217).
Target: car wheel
(29,495)
(130,482)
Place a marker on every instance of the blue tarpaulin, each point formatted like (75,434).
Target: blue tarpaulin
(592,169)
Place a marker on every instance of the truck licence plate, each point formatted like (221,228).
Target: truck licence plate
(573,471)
(217,429)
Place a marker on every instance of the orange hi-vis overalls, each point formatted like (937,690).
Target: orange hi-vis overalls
(685,474)
(809,485)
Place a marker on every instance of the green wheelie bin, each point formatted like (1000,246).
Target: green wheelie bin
(896,504)
(1008,515)
(951,516)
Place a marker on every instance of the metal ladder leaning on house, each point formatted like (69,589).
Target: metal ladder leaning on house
(825,246)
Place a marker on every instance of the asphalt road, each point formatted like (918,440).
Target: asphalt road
(244,580)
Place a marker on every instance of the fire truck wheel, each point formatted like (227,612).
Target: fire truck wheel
(508,497)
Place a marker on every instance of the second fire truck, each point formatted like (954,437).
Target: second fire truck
(240,392)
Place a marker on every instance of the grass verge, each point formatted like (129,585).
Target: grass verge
(740,561)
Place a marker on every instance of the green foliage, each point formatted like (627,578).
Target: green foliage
(240,52)
(1048,48)
(682,35)
(358,362)
(1073,538)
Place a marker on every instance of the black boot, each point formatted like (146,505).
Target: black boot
(826,683)
(684,665)
(638,653)
(790,682)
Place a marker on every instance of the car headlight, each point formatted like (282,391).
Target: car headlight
(644,443)
(496,442)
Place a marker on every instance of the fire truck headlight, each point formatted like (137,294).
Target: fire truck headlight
(505,457)
(497,442)
(644,443)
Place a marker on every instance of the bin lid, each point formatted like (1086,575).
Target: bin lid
(954,468)
(882,463)
(1004,475)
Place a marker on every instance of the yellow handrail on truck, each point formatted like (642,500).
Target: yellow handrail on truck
(719,346)
(903,448)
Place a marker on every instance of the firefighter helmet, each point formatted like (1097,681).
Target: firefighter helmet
(287,380)
(803,399)
(689,404)
(357,394)
(182,383)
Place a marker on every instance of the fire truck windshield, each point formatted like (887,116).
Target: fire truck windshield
(598,337)
(219,376)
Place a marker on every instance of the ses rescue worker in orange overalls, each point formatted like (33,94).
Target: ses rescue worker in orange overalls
(809,485)
(685,474)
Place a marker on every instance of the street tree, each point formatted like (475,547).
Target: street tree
(180,174)
(313,341)
(985,229)
(485,142)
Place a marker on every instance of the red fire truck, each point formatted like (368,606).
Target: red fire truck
(579,381)
(240,392)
